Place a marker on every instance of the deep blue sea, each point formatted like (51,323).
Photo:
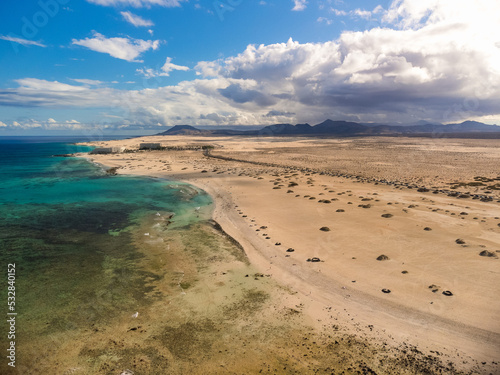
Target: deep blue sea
(65,224)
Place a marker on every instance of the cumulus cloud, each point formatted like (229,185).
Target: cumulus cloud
(2,125)
(439,63)
(299,5)
(238,94)
(136,20)
(24,42)
(138,3)
(164,71)
(169,66)
(121,48)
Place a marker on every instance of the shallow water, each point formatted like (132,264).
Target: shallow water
(69,229)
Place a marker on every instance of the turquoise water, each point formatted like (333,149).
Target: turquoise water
(66,225)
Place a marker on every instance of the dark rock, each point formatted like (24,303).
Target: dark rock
(489,254)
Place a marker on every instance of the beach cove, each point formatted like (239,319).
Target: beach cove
(124,274)
(405,263)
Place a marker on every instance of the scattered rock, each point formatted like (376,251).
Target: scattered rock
(447,293)
(404,272)
(434,288)
(112,171)
(386,290)
(387,215)
(340,210)
(459,241)
(290,250)
(486,253)
(383,257)
(324,229)
(427,228)
(278,243)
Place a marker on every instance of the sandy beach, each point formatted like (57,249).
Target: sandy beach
(395,240)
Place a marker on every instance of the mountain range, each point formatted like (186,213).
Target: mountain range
(347,129)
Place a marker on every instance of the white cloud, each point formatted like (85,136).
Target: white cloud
(138,3)
(169,66)
(89,82)
(49,124)
(121,48)
(366,14)
(437,63)
(35,84)
(165,69)
(325,20)
(338,12)
(361,13)
(299,5)
(136,20)
(2,125)
(148,72)
(24,42)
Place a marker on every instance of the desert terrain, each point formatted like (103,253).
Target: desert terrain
(393,241)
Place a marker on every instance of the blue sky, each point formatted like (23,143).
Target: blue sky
(138,66)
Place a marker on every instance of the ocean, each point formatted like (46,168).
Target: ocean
(70,241)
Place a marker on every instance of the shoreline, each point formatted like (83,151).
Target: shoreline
(317,290)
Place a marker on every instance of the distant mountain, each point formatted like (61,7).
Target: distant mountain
(183,130)
(345,129)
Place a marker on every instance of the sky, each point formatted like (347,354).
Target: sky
(140,66)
